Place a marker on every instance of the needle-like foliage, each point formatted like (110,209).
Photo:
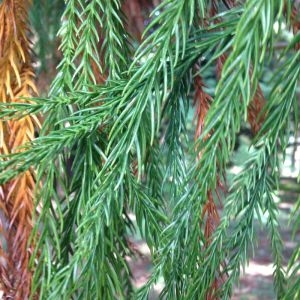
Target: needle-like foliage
(116,142)
(16,195)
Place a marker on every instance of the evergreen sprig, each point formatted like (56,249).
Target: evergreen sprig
(252,192)
(233,94)
(114,141)
(81,66)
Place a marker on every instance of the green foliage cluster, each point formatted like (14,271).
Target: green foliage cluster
(100,151)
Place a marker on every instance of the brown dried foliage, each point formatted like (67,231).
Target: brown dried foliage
(255,119)
(210,214)
(202,101)
(16,197)
(255,116)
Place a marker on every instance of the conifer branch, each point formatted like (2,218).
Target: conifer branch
(70,243)
(250,189)
(114,141)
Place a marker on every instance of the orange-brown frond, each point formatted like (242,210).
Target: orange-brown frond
(210,215)
(16,197)
(255,118)
(202,102)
